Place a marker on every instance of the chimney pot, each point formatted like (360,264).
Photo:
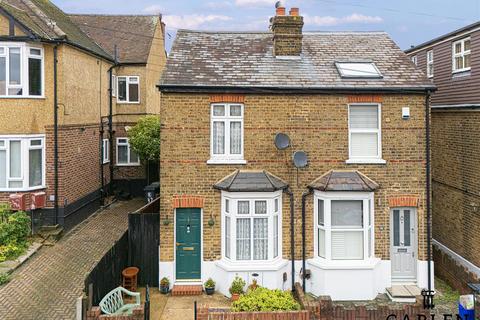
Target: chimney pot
(280,11)
(295,12)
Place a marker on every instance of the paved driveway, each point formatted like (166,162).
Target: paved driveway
(46,286)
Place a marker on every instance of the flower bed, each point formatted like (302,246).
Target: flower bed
(14,232)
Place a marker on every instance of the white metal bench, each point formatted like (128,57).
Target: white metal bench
(113,302)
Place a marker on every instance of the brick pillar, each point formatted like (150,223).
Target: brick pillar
(202,312)
(94,313)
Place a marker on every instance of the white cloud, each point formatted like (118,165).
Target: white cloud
(218,4)
(255,3)
(153,9)
(192,21)
(354,18)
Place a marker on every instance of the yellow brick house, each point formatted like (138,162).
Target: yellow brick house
(66,99)
(348,217)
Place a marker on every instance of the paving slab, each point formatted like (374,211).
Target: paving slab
(181,308)
(48,284)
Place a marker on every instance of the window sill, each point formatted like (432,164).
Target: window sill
(127,165)
(321,263)
(105,162)
(461,70)
(365,161)
(267,265)
(22,189)
(126,102)
(226,161)
(22,97)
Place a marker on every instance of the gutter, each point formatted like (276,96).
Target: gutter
(294,90)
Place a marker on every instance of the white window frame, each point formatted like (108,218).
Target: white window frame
(25,146)
(414,59)
(105,151)
(114,85)
(128,80)
(430,69)
(25,54)
(232,198)
(227,157)
(129,163)
(368,224)
(462,54)
(374,160)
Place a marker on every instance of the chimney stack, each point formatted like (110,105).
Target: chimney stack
(287,32)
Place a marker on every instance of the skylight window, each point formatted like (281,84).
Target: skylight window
(358,70)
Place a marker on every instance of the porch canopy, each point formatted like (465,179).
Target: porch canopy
(251,181)
(344,180)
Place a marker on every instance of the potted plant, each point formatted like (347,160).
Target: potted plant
(209,286)
(236,288)
(164,285)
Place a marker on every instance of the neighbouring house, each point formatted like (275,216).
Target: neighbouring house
(58,152)
(231,202)
(452,62)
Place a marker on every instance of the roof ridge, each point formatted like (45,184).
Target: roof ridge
(42,16)
(111,15)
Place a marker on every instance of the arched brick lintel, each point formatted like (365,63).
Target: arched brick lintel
(403,201)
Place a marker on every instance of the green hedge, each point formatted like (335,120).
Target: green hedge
(14,231)
(263,299)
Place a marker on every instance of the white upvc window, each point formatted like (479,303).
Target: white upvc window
(22,162)
(251,226)
(126,156)
(344,225)
(226,133)
(21,70)
(461,55)
(114,85)
(364,133)
(105,151)
(128,89)
(414,59)
(430,63)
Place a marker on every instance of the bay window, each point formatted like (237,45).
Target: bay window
(21,70)
(128,90)
(365,143)
(226,133)
(251,226)
(22,163)
(343,225)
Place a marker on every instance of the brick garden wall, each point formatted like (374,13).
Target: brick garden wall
(456,188)
(317,124)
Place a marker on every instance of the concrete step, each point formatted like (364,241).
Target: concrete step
(404,293)
(187,290)
(51,233)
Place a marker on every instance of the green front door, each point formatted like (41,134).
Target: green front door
(188,242)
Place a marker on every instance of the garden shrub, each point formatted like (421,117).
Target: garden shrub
(14,231)
(263,299)
(4,278)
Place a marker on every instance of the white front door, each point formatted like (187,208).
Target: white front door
(403,237)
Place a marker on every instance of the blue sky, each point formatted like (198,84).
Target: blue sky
(407,21)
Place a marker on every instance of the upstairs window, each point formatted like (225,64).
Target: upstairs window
(430,63)
(226,132)
(22,163)
(364,132)
(358,70)
(414,60)
(128,89)
(126,156)
(21,71)
(461,55)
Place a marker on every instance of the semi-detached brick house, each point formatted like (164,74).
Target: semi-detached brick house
(452,62)
(352,101)
(33,31)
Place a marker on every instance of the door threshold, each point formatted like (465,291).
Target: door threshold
(188,282)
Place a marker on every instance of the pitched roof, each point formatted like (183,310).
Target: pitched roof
(351,180)
(133,34)
(46,21)
(251,181)
(243,59)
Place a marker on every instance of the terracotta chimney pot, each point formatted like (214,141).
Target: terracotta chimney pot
(295,12)
(280,11)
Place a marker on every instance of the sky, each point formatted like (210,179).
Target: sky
(409,22)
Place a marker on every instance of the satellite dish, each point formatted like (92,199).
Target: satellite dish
(279,4)
(300,159)
(282,141)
